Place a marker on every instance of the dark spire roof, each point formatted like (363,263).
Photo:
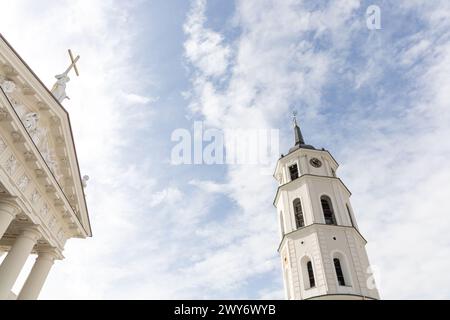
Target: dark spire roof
(298,134)
(299,141)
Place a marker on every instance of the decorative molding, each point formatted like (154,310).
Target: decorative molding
(16,136)
(23,183)
(11,165)
(2,146)
(28,91)
(44,210)
(60,235)
(9,70)
(3,114)
(8,86)
(31,121)
(40,173)
(35,196)
(29,156)
(42,106)
(51,222)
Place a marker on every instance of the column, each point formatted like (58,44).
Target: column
(8,210)
(37,276)
(15,260)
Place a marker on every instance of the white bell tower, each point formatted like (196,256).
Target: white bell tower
(322,251)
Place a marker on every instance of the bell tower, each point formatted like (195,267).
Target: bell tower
(322,252)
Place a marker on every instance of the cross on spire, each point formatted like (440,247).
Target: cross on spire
(298,134)
(294,117)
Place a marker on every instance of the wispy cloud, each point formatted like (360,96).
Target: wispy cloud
(204,47)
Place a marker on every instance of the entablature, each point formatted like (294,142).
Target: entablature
(27,176)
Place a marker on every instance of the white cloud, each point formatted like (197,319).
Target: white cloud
(166,196)
(134,98)
(210,186)
(204,47)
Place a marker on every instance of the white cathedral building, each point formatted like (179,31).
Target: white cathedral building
(42,201)
(322,252)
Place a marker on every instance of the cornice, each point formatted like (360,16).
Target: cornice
(341,295)
(300,150)
(303,177)
(312,228)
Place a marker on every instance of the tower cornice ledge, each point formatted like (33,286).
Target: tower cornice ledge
(312,228)
(292,153)
(341,296)
(302,178)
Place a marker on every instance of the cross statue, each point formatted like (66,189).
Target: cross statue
(59,88)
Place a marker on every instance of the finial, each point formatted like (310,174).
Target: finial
(294,117)
(84,181)
(298,134)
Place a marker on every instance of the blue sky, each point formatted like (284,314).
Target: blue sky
(377,99)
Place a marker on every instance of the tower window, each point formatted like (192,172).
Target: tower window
(312,281)
(327,210)
(298,211)
(350,215)
(338,268)
(293,171)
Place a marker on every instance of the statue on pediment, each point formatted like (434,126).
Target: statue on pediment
(59,89)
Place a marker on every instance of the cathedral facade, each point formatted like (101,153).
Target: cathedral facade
(42,201)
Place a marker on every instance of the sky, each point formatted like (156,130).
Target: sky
(377,99)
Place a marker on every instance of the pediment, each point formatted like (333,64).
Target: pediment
(48,125)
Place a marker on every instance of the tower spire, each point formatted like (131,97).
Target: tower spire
(297,132)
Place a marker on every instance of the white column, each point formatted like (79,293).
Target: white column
(15,260)
(8,210)
(37,276)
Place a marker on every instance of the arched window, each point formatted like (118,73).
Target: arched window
(350,214)
(339,273)
(327,208)
(298,211)
(312,281)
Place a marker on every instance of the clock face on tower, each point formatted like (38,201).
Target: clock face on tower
(315,162)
